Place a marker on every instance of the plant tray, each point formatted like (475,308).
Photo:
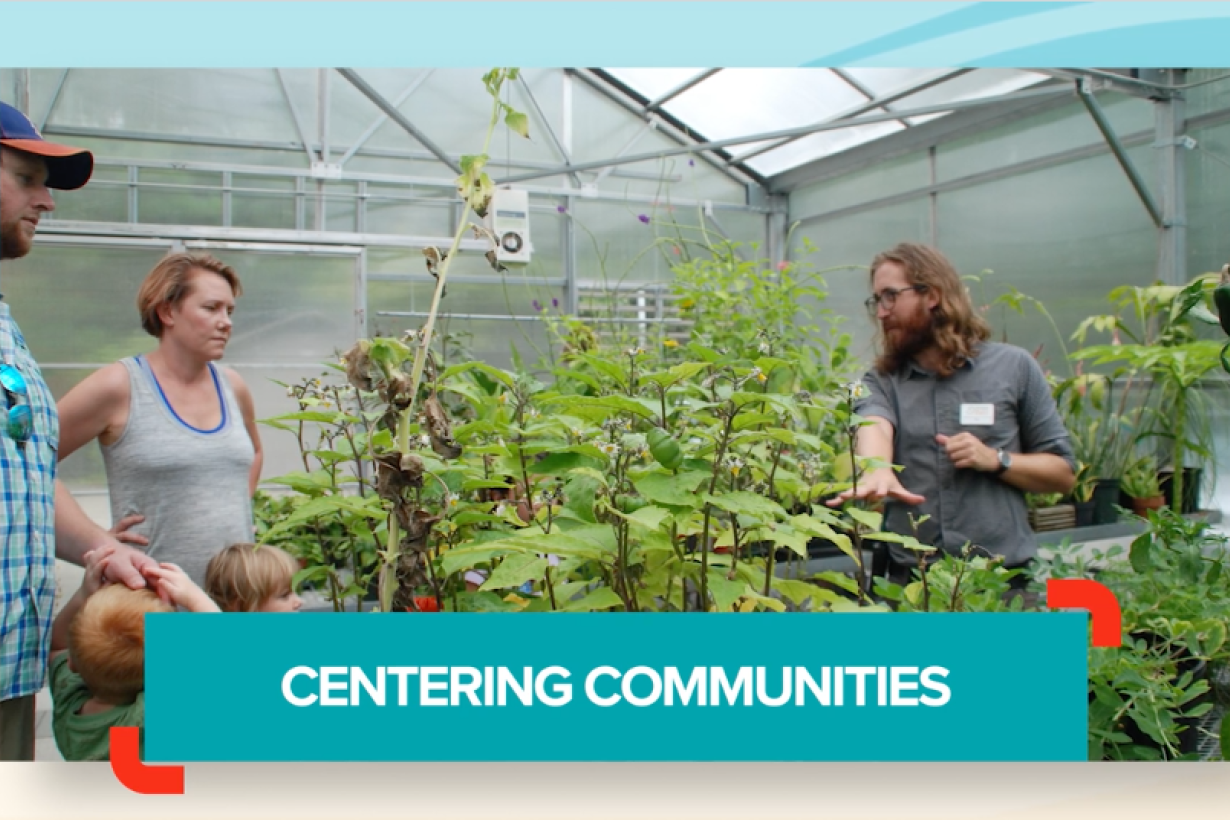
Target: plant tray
(1059,517)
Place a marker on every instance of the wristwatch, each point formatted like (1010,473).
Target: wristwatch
(1005,460)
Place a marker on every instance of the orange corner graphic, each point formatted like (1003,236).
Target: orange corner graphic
(134,774)
(1101,602)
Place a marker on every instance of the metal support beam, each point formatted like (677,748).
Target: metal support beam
(300,126)
(918,139)
(397,117)
(568,244)
(322,134)
(1097,149)
(803,130)
(654,105)
(383,118)
(21,87)
(852,81)
(1116,148)
(1123,83)
(1170,128)
(776,230)
(862,108)
(270,145)
(546,125)
(650,125)
(677,132)
(55,98)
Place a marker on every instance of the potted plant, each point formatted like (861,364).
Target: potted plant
(1047,512)
(1165,348)
(1082,494)
(1141,484)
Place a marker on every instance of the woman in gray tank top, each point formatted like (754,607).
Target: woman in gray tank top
(177,432)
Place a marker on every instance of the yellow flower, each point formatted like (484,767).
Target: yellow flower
(670,343)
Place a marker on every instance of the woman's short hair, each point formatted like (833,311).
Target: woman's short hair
(106,641)
(243,576)
(171,280)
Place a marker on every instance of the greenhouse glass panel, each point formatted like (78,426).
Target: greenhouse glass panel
(78,303)
(1065,235)
(845,247)
(1208,207)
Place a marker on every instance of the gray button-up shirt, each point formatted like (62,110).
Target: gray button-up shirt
(1002,397)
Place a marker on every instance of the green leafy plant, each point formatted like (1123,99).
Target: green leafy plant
(1147,696)
(1166,353)
(1141,479)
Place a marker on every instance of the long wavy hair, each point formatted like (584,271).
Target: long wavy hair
(955,324)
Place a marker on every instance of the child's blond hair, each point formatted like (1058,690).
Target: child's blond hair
(106,641)
(243,576)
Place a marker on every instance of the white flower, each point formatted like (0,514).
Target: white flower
(856,391)
(610,448)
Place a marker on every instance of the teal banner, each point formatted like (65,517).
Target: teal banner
(328,687)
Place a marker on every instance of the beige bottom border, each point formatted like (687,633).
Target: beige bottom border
(641,791)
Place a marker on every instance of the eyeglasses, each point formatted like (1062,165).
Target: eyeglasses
(18,417)
(888,298)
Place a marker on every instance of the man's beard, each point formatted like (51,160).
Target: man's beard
(14,244)
(909,339)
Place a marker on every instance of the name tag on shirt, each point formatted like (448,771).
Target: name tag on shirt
(977,415)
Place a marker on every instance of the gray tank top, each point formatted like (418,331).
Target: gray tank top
(191,485)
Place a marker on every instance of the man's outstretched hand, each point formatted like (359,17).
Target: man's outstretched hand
(877,486)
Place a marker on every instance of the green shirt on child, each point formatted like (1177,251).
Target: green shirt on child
(87,737)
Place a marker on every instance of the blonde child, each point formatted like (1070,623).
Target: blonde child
(97,662)
(251,578)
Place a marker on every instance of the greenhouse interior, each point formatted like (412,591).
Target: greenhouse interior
(667,278)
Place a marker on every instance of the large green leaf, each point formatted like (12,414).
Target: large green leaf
(671,490)
(801,591)
(558,463)
(328,505)
(786,536)
(318,416)
(471,555)
(600,598)
(306,483)
(503,378)
(604,406)
(515,570)
(725,593)
(676,374)
(607,368)
(484,484)
(649,517)
(745,503)
(871,520)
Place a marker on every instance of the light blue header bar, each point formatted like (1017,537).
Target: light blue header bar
(659,34)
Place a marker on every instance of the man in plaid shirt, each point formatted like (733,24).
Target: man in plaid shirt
(39,519)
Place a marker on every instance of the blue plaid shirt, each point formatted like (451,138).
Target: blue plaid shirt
(27,528)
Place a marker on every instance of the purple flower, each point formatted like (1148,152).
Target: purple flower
(692,163)
(555,303)
(561,209)
(537,306)
(644,218)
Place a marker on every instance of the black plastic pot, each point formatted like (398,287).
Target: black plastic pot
(1191,488)
(1084,513)
(1105,497)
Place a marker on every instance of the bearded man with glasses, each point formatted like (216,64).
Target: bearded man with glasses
(39,519)
(971,422)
